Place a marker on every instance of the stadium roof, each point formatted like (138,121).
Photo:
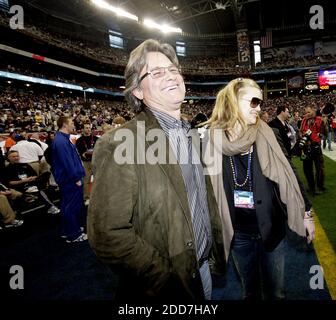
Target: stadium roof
(197,17)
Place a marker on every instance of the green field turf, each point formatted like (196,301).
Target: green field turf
(324,204)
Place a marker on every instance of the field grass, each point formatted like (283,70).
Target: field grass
(324,204)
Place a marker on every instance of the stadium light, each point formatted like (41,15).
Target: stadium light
(120,12)
(163,28)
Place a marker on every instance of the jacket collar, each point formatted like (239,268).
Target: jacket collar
(63,134)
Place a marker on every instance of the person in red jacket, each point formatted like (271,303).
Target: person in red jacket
(312,128)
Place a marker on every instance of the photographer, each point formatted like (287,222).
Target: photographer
(312,128)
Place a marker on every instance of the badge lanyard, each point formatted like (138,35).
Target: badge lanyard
(242,199)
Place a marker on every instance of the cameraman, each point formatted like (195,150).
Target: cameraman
(312,128)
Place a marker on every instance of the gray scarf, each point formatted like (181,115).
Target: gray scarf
(274,165)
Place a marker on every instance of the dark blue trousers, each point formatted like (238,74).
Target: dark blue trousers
(72,210)
(261,272)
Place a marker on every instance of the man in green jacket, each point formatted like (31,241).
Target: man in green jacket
(152,215)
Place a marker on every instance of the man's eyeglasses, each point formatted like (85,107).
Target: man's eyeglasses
(159,72)
(255,102)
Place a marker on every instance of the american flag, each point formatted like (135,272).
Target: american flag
(266,40)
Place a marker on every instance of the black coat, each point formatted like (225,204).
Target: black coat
(283,131)
(278,136)
(271,212)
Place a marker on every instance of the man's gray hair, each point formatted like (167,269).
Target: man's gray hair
(137,62)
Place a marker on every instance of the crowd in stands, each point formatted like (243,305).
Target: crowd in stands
(34,112)
(39,112)
(298,103)
(193,65)
(294,104)
(101,54)
(212,65)
(42,71)
(26,116)
(282,62)
(202,91)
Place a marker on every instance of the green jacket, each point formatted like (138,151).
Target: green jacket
(139,219)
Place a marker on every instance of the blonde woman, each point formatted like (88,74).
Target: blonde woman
(257,192)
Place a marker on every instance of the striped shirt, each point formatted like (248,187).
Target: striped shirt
(192,171)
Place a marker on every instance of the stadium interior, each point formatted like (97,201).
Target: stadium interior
(68,57)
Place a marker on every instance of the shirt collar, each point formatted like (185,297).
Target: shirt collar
(168,122)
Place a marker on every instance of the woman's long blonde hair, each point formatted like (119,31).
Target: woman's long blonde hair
(226,114)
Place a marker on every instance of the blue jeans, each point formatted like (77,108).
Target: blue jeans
(261,272)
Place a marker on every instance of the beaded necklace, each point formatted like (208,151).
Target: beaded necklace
(248,173)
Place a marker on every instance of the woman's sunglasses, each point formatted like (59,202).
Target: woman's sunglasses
(255,102)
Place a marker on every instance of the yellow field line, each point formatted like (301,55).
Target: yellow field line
(326,256)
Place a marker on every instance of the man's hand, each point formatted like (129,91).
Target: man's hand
(88,154)
(30,179)
(79,183)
